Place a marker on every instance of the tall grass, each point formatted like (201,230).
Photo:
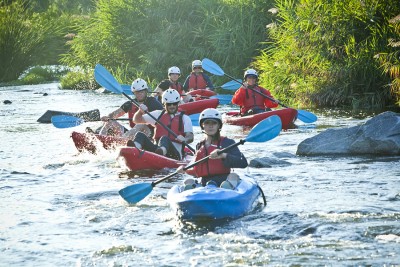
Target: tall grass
(322,52)
(147,37)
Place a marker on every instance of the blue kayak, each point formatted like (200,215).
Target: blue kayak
(212,202)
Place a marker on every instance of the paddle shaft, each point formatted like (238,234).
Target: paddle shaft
(159,122)
(241,142)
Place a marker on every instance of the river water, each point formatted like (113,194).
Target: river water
(61,208)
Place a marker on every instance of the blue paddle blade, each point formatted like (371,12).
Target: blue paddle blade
(223,99)
(306,116)
(136,192)
(265,130)
(65,121)
(127,89)
(232,85)
(212,67)
(195,119)
(105,79)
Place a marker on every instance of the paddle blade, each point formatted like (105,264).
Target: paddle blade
(232,85)
(195,119)
(105,79)
(136,192)
(127,89)
(265,130)
(306,116)
(65,121)
(212,67)
(223,99)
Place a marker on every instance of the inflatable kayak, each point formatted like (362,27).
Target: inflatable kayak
(91,115)
(136,160)
(202,92)
(90,142)
(198,106)
(210,202)
(287,115)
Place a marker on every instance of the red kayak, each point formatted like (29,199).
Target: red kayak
(90,142)
(287,115)
(202,92)
(198,106)
(136,160)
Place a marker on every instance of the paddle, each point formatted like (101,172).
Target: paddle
(261,132)
(231,85)
(105,79)
(213,68)
(65,121)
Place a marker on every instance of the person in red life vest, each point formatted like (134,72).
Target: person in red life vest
(249,101)
(197,79)
(166,144)
(174,73)
(217,169)
(111,127)
(160,89)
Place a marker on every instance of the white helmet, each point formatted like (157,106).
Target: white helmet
(170,96)
(250,72)
(139,85)
(210,113)
(197,63)
(174,70)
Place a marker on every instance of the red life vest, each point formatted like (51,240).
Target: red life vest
(197,81)
(175,124)
(210,167)
(177,86)
(130,115)
(253,99)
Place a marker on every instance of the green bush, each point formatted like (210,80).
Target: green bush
(149,36)
(322,53)
(79,80)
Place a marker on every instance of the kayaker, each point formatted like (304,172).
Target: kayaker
(111,127)
(160,89)
(197,79)
(173,74)
(217,169)
(249,101)
(166,144)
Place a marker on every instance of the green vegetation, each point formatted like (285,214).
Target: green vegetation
(322,52)
(149,36)
(308,52)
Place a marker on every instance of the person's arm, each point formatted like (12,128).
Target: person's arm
(186,84)
(268,103)
(118,112)
(233,158)
(141,117)
(238,97)
(210,85)
(188,130)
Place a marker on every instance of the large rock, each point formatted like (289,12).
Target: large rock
(378,136)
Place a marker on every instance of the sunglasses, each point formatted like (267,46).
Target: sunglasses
(172,104)
(197,68)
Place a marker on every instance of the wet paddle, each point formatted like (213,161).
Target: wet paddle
(65,121)
(213,68)
(105,79)
(263,131)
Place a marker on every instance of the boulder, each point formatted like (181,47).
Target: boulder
(266,162)
(378,136)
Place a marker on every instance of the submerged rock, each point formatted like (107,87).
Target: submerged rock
(266,162)
(378,136)
(7,102)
